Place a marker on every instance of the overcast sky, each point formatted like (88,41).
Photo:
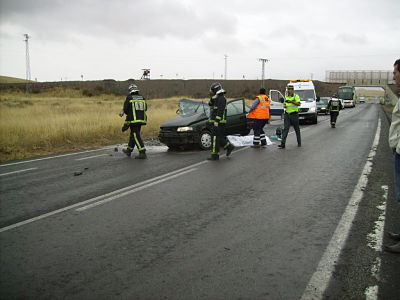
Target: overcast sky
(188,38)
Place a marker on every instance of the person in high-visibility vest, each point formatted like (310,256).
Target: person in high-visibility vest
(135,108)
(291,105)
(259,112)
(334,106)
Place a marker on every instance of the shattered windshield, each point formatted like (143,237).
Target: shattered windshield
(190,107)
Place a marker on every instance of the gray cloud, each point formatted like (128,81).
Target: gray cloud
(115,19)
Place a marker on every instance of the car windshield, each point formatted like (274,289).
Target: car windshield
(306,95)
(323,100)
(190,107)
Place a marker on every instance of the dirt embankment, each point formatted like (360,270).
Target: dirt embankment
(153,89)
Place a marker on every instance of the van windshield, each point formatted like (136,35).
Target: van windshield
(306,95)
(189,107)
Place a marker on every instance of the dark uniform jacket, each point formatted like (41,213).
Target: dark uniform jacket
(218,108)
(135,108)
(334,105)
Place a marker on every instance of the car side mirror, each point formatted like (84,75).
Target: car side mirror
(318,98)
(281,100)
(177,111)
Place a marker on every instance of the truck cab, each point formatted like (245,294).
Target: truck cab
(306,91)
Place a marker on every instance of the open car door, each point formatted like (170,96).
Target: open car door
(276,104)
(236,117)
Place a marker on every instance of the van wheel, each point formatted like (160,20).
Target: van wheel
(315,120)
(205,142)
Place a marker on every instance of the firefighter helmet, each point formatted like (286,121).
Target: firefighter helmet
(216,88)
(133,88)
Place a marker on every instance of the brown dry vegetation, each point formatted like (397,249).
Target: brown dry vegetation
(61,120)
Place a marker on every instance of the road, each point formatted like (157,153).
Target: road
(298,223)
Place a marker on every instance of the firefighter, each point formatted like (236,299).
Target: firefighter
(334,106)
(291,104)
(135,108)
(217,121)
(260,114)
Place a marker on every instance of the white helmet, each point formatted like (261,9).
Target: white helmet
(133,88)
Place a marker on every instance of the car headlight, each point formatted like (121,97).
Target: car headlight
(312,109)
(184,129)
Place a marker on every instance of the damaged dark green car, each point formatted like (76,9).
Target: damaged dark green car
(191,127)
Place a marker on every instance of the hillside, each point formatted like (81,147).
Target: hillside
(7,79)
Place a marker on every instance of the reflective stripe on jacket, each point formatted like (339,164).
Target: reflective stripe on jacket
(334,105)
(135,108)
(290,107)
(262,109)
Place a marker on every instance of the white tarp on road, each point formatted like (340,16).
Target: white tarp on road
(240,141)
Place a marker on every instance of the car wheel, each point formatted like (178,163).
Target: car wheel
(205,142)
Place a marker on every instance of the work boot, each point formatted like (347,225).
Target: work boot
(213,157)
(394,236)
(394,248)
(127,152)
(229,149)
(142,155)
(281,146)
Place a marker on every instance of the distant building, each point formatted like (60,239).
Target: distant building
(361,77)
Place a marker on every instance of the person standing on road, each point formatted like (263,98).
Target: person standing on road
(260,114)
(334,106)
(394,143)
(291,105)
(135,108)
(217,121)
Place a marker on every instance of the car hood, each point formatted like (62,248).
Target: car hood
(184,120)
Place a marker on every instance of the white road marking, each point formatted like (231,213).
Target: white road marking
(56,156)
(117,196)
(375,240)
(99,197)
(371,293)
(19,171)
(89,157)
(321,277)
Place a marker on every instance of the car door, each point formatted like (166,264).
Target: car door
(276,104)
(236,117)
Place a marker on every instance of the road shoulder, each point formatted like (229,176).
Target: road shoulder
(360,267)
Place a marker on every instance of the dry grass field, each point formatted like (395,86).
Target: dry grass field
(63,120)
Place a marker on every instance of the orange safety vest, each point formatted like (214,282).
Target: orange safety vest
(262,109)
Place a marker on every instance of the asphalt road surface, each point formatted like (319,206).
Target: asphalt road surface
(298,223)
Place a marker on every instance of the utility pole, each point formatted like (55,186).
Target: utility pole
(226,66)
(263,61)
(27,62)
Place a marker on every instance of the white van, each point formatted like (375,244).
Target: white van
(306,91)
